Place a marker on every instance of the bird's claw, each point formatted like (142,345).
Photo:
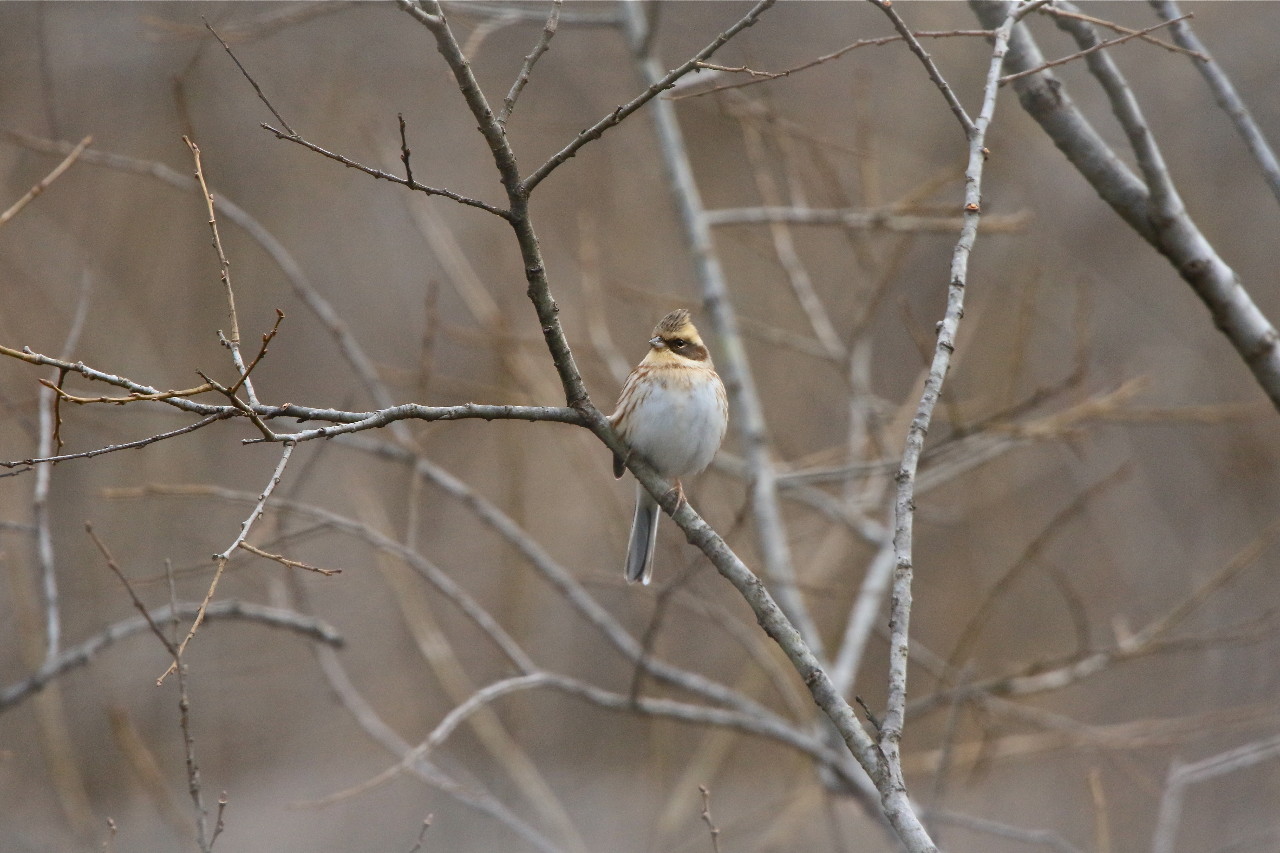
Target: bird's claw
(678,488)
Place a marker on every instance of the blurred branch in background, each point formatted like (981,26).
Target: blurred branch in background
(72,156)
(227,609)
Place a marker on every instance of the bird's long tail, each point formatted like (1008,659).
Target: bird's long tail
(644,538)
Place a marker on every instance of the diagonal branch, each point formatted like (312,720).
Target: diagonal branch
(522,79)
(935,75)
(1153,209)
(1224,92)
(657,87)
(1102,45)
(44,182)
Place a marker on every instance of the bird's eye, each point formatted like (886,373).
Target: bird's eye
(678,343)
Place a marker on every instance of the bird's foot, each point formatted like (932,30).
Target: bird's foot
(678,488)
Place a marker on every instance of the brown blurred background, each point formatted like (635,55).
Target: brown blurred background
(1063,310)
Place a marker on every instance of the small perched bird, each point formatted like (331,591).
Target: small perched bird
(672,412)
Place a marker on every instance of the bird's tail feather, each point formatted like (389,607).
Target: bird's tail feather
(644,538)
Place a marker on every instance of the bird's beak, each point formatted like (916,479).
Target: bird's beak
(656,342)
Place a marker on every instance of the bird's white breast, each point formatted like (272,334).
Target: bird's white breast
(679,424)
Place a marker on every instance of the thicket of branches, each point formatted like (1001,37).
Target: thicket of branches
(974,617)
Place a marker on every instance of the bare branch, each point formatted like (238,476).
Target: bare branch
(1102,45)
(350,421)
(897,808)
(656,87)
(130,398)
(886,219)
(254,83)
(381,175)
(604,698)
(292,136)
(1050,9)
(1154,210)
(1224,92)
(541,47)
(1040,837)
(1181,776)
(224,265)
(44,182)
(957,109)
(1042,676)
(301,285)
(766,76)
(706,818)
(48,437)
(133,596)
(221,559)
(286,562)
(217,611)
(377,729)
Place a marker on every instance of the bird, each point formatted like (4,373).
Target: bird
(673,413)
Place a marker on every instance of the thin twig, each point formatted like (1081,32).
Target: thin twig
(48,179)
(262,351)
(601,697)
(129,398)
(766,76)
(387,176)
(935,75)
(442,731)
(469,794)
(287,563)
(706,818)
(1195,53)
(405,153)
(184,699)
(1042,837)
(522,79)
(291,135)
(231,342)
(784,247)
(249,77)
(194,786)
(128,587)
(258,508)
(1031,552)
(221,559)
(422,835)
(224,265)
(656,87)
(1054,63)
(219,822)
(361,365)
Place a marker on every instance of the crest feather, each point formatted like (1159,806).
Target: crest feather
(675,322)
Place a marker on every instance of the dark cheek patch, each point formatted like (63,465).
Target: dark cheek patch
(693,352)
